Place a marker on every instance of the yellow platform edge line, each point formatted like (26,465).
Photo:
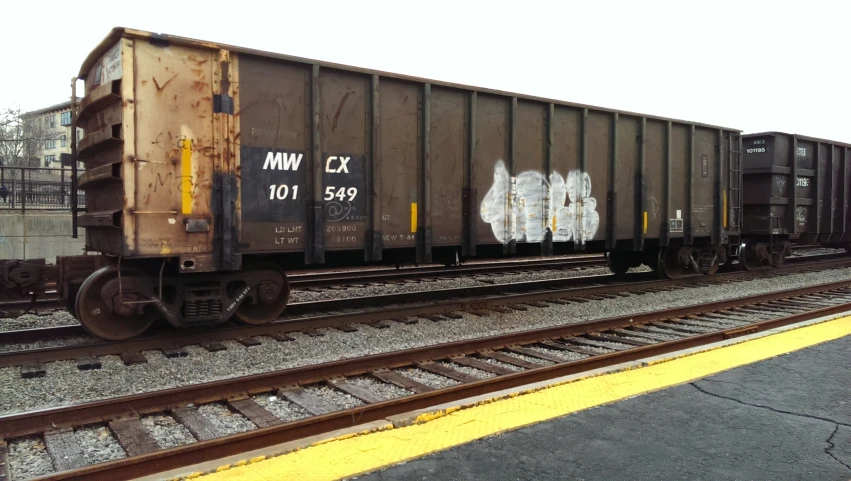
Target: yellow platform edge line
(359,453)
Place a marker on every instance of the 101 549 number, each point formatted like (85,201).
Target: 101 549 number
(341,193)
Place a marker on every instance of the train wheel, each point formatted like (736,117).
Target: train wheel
(747,258)
(274,293)
(109,318)
(669,265)
(617,263)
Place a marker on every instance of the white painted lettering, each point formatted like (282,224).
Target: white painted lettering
(282,161)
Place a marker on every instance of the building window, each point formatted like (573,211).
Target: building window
(48,159)
(66,118)
(63,141)
(50,144)
(50,121)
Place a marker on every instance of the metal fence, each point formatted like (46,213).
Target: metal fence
(37,188)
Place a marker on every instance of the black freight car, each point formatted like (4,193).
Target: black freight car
(212,169)
(795,192)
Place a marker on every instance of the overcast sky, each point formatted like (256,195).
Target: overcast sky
(755,66)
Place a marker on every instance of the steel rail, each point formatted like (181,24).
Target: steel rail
(146,464)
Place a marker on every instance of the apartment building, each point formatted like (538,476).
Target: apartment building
(49,131)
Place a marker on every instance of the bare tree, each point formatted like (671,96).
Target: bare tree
(21,136)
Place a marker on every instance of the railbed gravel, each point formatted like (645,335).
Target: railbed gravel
(383,389)
(470,371)
(98,444)
(28,458)
(65,384)
(167,432)
(450,283)
(566,355)
(283,409)
(510,367)
(534,360)
(334,397)
(33,321)
(225,421)
(424,377)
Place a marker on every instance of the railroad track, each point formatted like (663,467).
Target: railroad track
(314,281)
(468,368)
(345,313)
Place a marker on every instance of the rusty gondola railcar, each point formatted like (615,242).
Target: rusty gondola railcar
(795,192)
(210,170)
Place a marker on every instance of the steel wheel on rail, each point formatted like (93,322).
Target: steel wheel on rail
(669,265)
(273,290)
(109,318)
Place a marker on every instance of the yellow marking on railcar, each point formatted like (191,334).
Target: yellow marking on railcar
(645,221)
(413,216)
(725,209)
(186,180)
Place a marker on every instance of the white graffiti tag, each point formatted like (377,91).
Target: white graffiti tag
(525,207)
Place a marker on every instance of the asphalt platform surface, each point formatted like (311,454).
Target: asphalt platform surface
(785,418)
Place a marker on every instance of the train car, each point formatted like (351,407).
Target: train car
(210,170)
(795,192)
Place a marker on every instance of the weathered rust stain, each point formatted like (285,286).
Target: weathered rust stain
(198,72)
(404,100)
(157,84)
(144,82)
(339,110)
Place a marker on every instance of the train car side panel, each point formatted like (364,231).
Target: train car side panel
(494,170)
(398,165)
(629,132)
(274,154)
(531,186)
(654,178)
(344,158)
(447,151)
(598,152)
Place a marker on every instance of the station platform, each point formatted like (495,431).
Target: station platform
(774,405)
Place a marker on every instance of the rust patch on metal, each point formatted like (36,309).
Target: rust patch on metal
(160,88)
(340,109)
(199,85)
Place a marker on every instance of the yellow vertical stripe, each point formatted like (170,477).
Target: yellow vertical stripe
(186,180)
(725,209)
(413,216)
(645,221)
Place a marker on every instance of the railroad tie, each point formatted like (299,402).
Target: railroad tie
(446,371)
(401,381)
(64,450)
(195,422)
(33,370)
(481,365)
(131,358)
(309,402)
(133,436)
(357,391)
(5,475)
(255,413)
(88,363)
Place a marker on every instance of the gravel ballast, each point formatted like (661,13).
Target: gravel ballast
(28,458)
(167,432)
(99,446)
(285,410)
(65,384)
(224,421)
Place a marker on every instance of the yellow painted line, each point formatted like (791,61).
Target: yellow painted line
(725,209)
(356,454)
(645,221)
(413,216)
(186,173)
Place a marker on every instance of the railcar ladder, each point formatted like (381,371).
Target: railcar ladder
(735,186)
